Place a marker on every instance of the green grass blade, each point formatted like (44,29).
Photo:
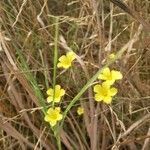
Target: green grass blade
(25,68)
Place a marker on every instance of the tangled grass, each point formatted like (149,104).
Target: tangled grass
(33,32)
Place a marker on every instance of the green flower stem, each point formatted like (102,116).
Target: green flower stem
(55,56)
(58,142)
(57,136)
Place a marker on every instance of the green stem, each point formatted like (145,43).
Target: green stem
(55,56)
(57,135)
(58,142)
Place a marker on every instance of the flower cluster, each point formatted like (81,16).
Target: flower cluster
(53,114)
(104,92)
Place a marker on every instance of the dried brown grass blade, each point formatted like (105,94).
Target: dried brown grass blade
(131,12)
(7,127)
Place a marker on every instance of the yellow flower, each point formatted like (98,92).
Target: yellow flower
(110,76)
(104,92)
(111,56)
(80,110)
(57,96)
(53,116)
(66,60)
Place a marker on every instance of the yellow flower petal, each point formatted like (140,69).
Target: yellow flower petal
(112,56)
(107,99)
(49,91)
(113,91)
(57,99)
(62,92)
(106,71)
(97,88)
(46,118)
(98,97)
(49,99)
(49,110)
(59,65)
(62,58)
(71,56)
(109,82)
(105,85)
(59,117)
(57,87)
(116,75)
(101,77)
(80,110)
(66,66)
(57,109)
(105,74)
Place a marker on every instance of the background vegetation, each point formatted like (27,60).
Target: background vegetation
(93,29)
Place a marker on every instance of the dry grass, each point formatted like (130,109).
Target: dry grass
(93,29)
